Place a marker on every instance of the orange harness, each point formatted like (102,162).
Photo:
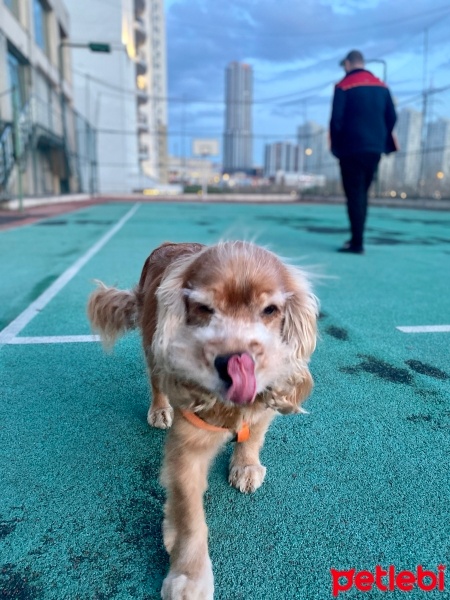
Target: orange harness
(242,435)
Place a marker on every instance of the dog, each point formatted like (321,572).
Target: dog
(227,331)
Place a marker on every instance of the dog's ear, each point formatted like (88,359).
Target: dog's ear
(299,333)
(171,293)
(161,258)
(300,319)
(288,402)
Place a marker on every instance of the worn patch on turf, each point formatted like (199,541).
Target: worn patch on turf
(424,369)
(327,230)
(54,222)
(437,421)
(41,286)
(17,585)
(7,527)
(381,369)
(419,418)
(93,222)
(337,332)
(139,519)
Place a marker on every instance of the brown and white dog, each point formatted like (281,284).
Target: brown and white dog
(227,331)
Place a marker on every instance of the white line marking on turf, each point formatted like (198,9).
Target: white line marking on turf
(425,329)
(15,327)
(55,339)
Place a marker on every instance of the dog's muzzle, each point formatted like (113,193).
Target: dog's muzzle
(237,371)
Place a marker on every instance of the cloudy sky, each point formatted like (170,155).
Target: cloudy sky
(294,47)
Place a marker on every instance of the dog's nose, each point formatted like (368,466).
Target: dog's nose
(221,364)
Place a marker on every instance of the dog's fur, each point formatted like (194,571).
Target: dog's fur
(194,303)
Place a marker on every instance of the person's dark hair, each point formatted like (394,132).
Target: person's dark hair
(354,56)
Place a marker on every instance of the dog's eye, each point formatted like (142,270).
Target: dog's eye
(270,310)
(204,309)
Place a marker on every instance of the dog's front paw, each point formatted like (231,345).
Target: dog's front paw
(169,535)
(247,478)
(161,417)
(177,586)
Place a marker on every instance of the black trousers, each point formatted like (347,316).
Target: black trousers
(357,171)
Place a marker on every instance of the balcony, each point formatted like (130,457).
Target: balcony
(143,152)
(142,123)
(139,7)
(140,31)
(141,64)
(141,96)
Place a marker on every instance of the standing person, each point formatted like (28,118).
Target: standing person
(362,119)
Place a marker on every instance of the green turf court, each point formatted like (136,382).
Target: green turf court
(362,480)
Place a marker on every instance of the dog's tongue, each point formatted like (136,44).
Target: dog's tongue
(241,370)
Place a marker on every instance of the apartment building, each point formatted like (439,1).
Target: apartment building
(238,135)
(313,146)
(38,127)
(281,156)
(437,151)
(407,161)
(123,93)
(151,66)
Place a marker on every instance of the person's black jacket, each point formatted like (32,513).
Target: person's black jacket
(363,116)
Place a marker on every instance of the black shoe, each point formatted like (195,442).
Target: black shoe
(349,249)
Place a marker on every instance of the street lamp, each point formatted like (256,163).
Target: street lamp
(99,47)
(93,47)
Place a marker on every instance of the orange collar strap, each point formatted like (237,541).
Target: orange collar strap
(242,435)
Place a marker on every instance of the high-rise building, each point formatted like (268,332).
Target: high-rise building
(123,93)
(238,135)
(408,130)
(312,142)
(280,156)
(437,151)
(151,72)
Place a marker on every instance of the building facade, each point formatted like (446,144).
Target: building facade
(238,134)
(151,67)
(281,156)
(313,147)
(437,151)
(122,93)
(407,161)
(193,171)
(38,126)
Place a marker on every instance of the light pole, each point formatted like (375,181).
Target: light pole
(382,62)
(17,144)
(93,47)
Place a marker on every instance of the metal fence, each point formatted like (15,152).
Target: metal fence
(50,133)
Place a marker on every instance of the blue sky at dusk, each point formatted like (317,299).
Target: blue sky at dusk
(294,47)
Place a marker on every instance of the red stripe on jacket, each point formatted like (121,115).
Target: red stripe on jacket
(358,79)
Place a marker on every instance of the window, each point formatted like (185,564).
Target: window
(17,78)
(13,6)
(40,25)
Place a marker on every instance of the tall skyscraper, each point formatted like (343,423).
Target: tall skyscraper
(401,170)
(407,160)
(238,135)
(313,148)
(437,149)
(151,70)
